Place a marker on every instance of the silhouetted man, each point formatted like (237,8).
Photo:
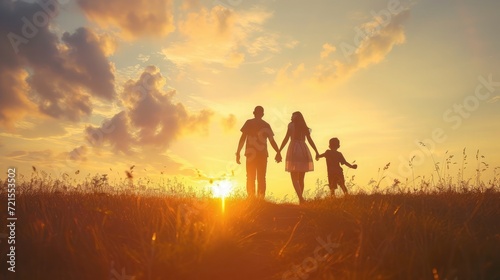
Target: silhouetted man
(256,132)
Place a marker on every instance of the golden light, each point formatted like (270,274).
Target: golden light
(222,189)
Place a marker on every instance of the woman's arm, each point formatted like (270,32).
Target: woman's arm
(311,142)
(285,140)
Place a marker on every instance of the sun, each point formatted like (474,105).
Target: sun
(222,188)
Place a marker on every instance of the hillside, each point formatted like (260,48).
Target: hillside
(379,236)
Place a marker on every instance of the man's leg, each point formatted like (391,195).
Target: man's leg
(251,172)
(261,175)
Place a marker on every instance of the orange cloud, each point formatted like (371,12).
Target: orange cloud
(78,154)
(372,50)
(289,74)
(229,122)
(31,156)
(152,119)
(64,73)
(190,4)
(221,36)
(327,49)
(135,18)
(115,131)
(14,103)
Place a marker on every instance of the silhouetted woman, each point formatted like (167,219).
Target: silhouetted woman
(298,157)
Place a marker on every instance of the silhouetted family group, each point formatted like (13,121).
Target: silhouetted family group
(256,132)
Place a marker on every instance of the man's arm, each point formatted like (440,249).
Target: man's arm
(243,138)
(278,157)
(273,144)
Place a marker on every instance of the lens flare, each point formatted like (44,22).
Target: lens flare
(222,188)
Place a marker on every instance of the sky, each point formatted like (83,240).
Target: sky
(99,86)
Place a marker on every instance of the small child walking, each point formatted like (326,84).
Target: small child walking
(333,160)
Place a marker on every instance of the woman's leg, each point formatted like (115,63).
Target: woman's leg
(296,185)
(301,176)
(293,176)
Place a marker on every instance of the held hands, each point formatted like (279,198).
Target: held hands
(278,157)
(317,156)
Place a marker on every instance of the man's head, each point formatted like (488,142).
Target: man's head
(258,112)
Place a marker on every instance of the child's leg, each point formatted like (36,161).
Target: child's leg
(342,185)
(332,185)
(332,192)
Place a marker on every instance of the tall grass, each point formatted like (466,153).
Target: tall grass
(98,230)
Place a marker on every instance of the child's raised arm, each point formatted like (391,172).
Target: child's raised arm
(344,162)
(353,166)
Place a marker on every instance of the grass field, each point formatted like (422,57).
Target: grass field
(97,235)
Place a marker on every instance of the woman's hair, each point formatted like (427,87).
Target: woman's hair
(300,124)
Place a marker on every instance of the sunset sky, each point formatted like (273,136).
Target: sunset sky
(164,85)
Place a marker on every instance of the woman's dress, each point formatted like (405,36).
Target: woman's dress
(298,156)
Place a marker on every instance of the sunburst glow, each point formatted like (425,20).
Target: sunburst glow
(222,188)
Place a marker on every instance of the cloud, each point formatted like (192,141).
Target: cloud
(159,119)
(190,4)
(143,58)
(269,70)
(16,154)
(41,159)
(380,38)
(42,73)
(14,103)
(136,18)
(289,74)
(28,128)
(494,99)
(268,42)
(152,118)
(327,49)
(114,131)
(229,122)
(31,156)
(78,154)
(62,81)
(222,36)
